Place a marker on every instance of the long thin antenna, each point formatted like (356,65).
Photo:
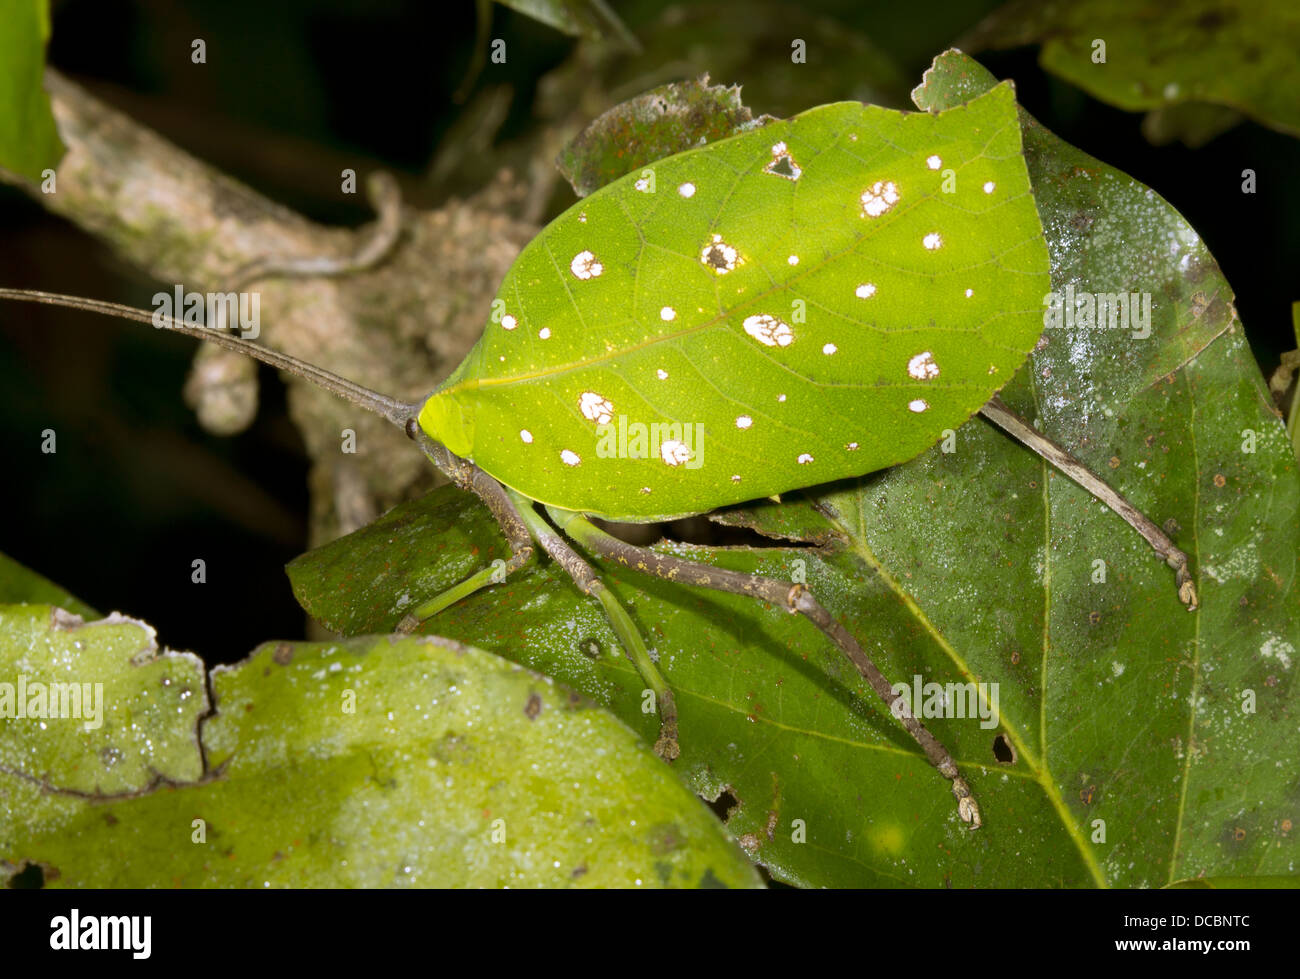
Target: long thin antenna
(397,412)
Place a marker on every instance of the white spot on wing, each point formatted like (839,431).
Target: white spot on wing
(933,162)
(544,333)
(918,406)
(508,322)
(743,421)
(570,458)
(595,408)
(923,368)
(804,459)
(782,163)
(667,314)
(793,260)
(990,187)
(720,256)
(829,349)
(585,266)
(661,374)
(674,453)
(879,198)
(768,330)
(865,291)
(687,189)
(852,446)
(932,240)
(526,435)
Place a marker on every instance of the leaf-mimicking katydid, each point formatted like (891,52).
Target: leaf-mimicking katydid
(813,300)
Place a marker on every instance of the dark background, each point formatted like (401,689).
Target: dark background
(292,92)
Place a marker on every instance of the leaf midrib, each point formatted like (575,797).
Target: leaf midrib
(1042,775)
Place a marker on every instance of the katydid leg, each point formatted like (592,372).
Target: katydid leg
(794,598)
(1053,452)
(634,646)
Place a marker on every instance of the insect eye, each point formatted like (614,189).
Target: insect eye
(412,428)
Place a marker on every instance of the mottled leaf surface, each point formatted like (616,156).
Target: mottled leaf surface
(1238,54)
(666,120)
(371,762)
(782,308)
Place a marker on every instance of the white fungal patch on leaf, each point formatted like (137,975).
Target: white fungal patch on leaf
(769,331)
(661,374)
(544,333)
(923,368)
(667,314)
(720,256)
(933,162)
(744,421)
(508,322)
(570,458)
(804,459)
(932,240)
(526,436)
(687,189)
(674,453)
(989,187)
(879,198)
(917,406)
(782,163)
(595,408)
(585,266)
(829,349)
(865,291)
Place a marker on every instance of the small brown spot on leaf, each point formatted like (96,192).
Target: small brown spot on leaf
(1219,480)
(283,654)
(533,707)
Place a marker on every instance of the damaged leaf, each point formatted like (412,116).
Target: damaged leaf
(364,763)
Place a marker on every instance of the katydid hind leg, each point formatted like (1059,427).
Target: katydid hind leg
(1057,455)
(795,598)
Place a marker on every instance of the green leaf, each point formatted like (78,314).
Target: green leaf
(666,120)
(370,762)
(29,142)
(971,565)
(21,584)
(782,308)
(578,18)
(1239,54)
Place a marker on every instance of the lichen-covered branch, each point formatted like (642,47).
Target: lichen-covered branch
(398,326)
